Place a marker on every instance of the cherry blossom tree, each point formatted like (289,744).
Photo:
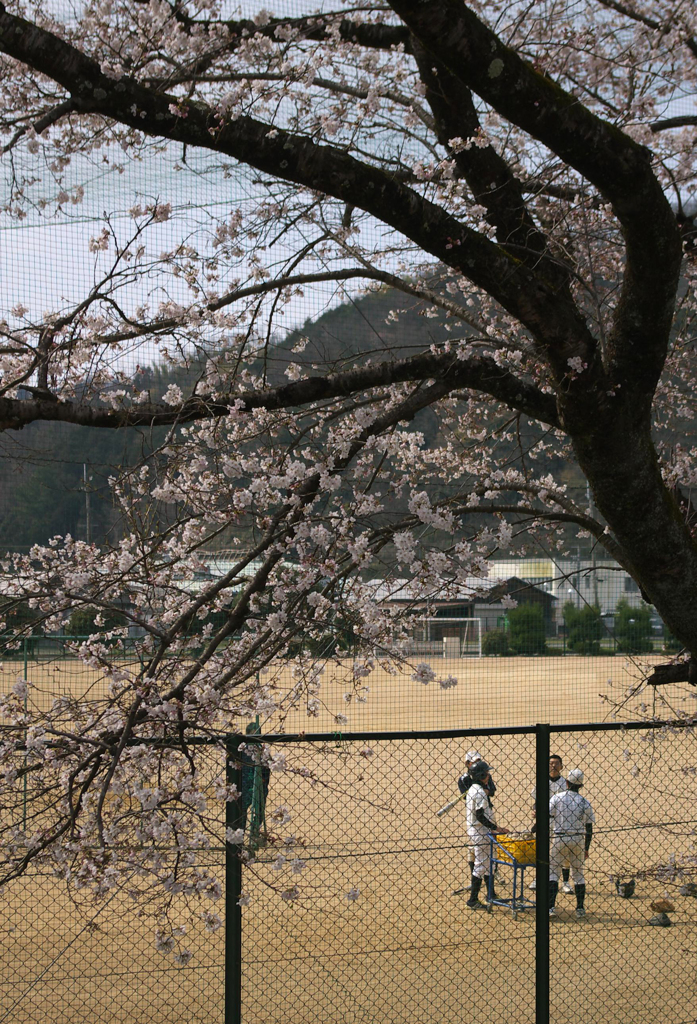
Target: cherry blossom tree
(515,170)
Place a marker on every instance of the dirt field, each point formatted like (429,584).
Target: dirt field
(490,692)
(407,949)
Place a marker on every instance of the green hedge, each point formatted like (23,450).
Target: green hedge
(584,628)
(526,630)
(633,628)
(82,622)
(495,642)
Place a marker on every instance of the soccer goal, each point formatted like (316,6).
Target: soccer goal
(440,637)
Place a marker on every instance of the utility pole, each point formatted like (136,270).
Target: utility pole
(88,523)
(591,509)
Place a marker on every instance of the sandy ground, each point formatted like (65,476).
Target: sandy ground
(490,692)
(407,949)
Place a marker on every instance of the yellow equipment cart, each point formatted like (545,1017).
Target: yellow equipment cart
(516,851)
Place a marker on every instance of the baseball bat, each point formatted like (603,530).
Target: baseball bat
(449,806)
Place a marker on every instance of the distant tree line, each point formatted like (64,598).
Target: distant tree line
(54,477)
(585,631)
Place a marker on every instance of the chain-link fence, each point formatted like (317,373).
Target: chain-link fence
(73,951)
(380,928)
(352,904)
(66,956)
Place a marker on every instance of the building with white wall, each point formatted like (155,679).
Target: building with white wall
(579,580)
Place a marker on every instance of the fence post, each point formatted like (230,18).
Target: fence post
(234,818)
(25,671)
(542,875)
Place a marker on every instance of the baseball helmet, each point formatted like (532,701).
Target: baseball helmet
(575,777)
(479,771)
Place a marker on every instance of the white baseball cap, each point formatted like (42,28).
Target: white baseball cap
(575,777)
(473,755)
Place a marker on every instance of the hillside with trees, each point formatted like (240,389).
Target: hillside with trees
(42,486)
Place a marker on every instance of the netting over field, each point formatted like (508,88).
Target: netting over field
(365,584)
(422,685)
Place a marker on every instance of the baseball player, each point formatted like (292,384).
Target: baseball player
(571,821)
(463,784)
(481,824)
(557,784)
(465,780)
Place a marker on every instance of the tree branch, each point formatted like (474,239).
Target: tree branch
(319,167)
(629,12)
(477,374)
(686,121)
(406,409)
(493,184)
(48,119)
(319,28)
(619,167)
(339,88)
(677,672)
(372,35)
(167,324)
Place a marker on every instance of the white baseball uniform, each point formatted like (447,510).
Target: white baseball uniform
(569,813)
(478,800)
(555,786)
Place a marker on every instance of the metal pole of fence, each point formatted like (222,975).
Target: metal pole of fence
(24,780)
(233,888)
(542,875)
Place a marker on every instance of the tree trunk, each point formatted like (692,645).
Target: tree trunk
(621,465)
